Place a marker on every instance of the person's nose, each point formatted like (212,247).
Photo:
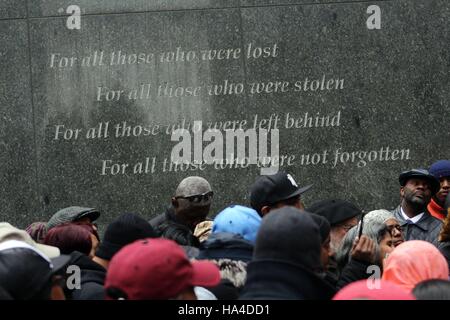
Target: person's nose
(445,184)
(421,186)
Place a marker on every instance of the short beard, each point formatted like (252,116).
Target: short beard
(416,203)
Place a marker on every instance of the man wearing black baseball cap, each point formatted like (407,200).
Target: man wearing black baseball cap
(417,186)
(276,191)
(26,273)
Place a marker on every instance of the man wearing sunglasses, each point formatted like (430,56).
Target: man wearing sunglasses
(189,206)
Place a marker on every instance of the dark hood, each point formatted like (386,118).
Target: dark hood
(278,280)
(90,270)
(223,245)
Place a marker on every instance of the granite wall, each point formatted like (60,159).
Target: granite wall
(358,91)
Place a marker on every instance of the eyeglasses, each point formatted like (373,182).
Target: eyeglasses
(198,197)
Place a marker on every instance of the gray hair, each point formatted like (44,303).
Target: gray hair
(192,186)
(380,216)
(372,229)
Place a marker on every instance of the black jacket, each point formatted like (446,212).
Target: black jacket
(92,278)
(427,228)
(353,271)
(279,280)
(167,226)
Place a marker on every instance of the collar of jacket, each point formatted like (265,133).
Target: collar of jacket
(423,223)
(436,210)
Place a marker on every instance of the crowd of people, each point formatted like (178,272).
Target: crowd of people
(275,249)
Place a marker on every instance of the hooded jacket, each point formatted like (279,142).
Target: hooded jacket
(282,280)
(223,245)
(231,253)
(286,258)
(413,262)
(92,278)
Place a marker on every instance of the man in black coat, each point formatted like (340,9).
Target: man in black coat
(417,188)
(286,259)
(190,206)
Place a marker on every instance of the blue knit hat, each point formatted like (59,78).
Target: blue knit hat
(239,220)
(440,169)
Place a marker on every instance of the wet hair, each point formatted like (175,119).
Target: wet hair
(434,289)
(70,237)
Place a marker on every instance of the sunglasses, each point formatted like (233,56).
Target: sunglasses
(198,197)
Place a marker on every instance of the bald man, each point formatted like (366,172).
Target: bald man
(189,206)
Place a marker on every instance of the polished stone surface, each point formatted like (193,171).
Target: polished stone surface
(68,96)
(59,7)
(374,100)
(13,9)
(18,188)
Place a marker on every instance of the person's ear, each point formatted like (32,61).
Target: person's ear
(402,192)
(174,202)
(265,210)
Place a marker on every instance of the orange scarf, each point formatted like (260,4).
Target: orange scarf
(436,210)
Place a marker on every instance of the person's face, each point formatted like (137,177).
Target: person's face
(339,231)
(86,220)
(386,246)
(396,231)
(443,191)
(192,210)
(325,252)
(416,192)
(294,202)
(95,243)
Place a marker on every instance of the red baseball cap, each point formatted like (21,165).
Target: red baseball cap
(157,269)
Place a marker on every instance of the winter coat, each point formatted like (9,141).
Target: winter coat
(167,226)
(231,253)
(353,271)
(226,245)
(427,228)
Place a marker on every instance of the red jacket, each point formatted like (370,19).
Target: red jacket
(436,210)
